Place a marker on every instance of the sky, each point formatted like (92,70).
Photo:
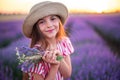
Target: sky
(23,6)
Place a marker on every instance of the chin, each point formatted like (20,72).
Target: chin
(50,37)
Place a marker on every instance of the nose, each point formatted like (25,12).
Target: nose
(49,23)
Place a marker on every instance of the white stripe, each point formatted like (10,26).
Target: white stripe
(39,68)
(59,47)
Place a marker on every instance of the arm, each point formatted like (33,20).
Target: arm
(65,67)
(53,69)
(51,75)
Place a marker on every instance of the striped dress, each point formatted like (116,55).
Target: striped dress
(43,68)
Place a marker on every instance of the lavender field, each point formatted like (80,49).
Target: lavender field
(95,37)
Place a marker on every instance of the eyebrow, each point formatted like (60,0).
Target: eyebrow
(40,19)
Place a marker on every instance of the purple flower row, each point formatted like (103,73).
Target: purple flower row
(92,60)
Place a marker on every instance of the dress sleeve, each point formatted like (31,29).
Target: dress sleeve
(67,46)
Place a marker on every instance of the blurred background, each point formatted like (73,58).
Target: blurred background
(93,27)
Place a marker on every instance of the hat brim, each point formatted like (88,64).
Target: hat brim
(53,8)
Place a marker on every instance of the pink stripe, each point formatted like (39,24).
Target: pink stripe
(47,68)
(40,67)
(58,76)
(59,48)
(64,44)
(31,68)
(43,68)
(68,46)
(34,68)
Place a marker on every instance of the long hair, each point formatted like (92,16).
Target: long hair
(61,33)
(37,36)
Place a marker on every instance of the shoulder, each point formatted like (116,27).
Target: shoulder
(65,39)
(66,46)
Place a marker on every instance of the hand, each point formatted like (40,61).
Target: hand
(37,77)
(51,55)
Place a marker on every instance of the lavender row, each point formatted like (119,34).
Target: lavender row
(92,59)
(10,31)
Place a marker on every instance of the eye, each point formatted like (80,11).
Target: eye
(53,18)
(41,21)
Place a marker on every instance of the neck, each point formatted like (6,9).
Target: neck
(52,43)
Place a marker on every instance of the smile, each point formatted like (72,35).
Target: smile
(51,30)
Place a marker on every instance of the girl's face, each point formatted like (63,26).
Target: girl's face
(49,26)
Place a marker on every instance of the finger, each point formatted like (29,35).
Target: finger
(36,77)
(57,52)
(49,55)
(45,54)
(54,55)
(55,62)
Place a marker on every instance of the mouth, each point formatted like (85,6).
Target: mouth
(51,30)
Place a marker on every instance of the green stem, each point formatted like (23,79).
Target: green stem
(59,58)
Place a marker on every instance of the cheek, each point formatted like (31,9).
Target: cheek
(41,28)
(57,28)
(57,24)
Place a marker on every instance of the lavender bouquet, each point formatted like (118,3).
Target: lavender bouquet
(27,57)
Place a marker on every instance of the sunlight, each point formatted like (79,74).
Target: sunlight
(97,6)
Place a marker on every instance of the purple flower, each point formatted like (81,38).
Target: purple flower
(27,57)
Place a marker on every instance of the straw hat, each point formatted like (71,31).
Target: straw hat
(41,10)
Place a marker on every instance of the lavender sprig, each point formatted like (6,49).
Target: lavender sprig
(27,57)
(25,54)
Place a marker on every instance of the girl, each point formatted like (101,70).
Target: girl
(44,25)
